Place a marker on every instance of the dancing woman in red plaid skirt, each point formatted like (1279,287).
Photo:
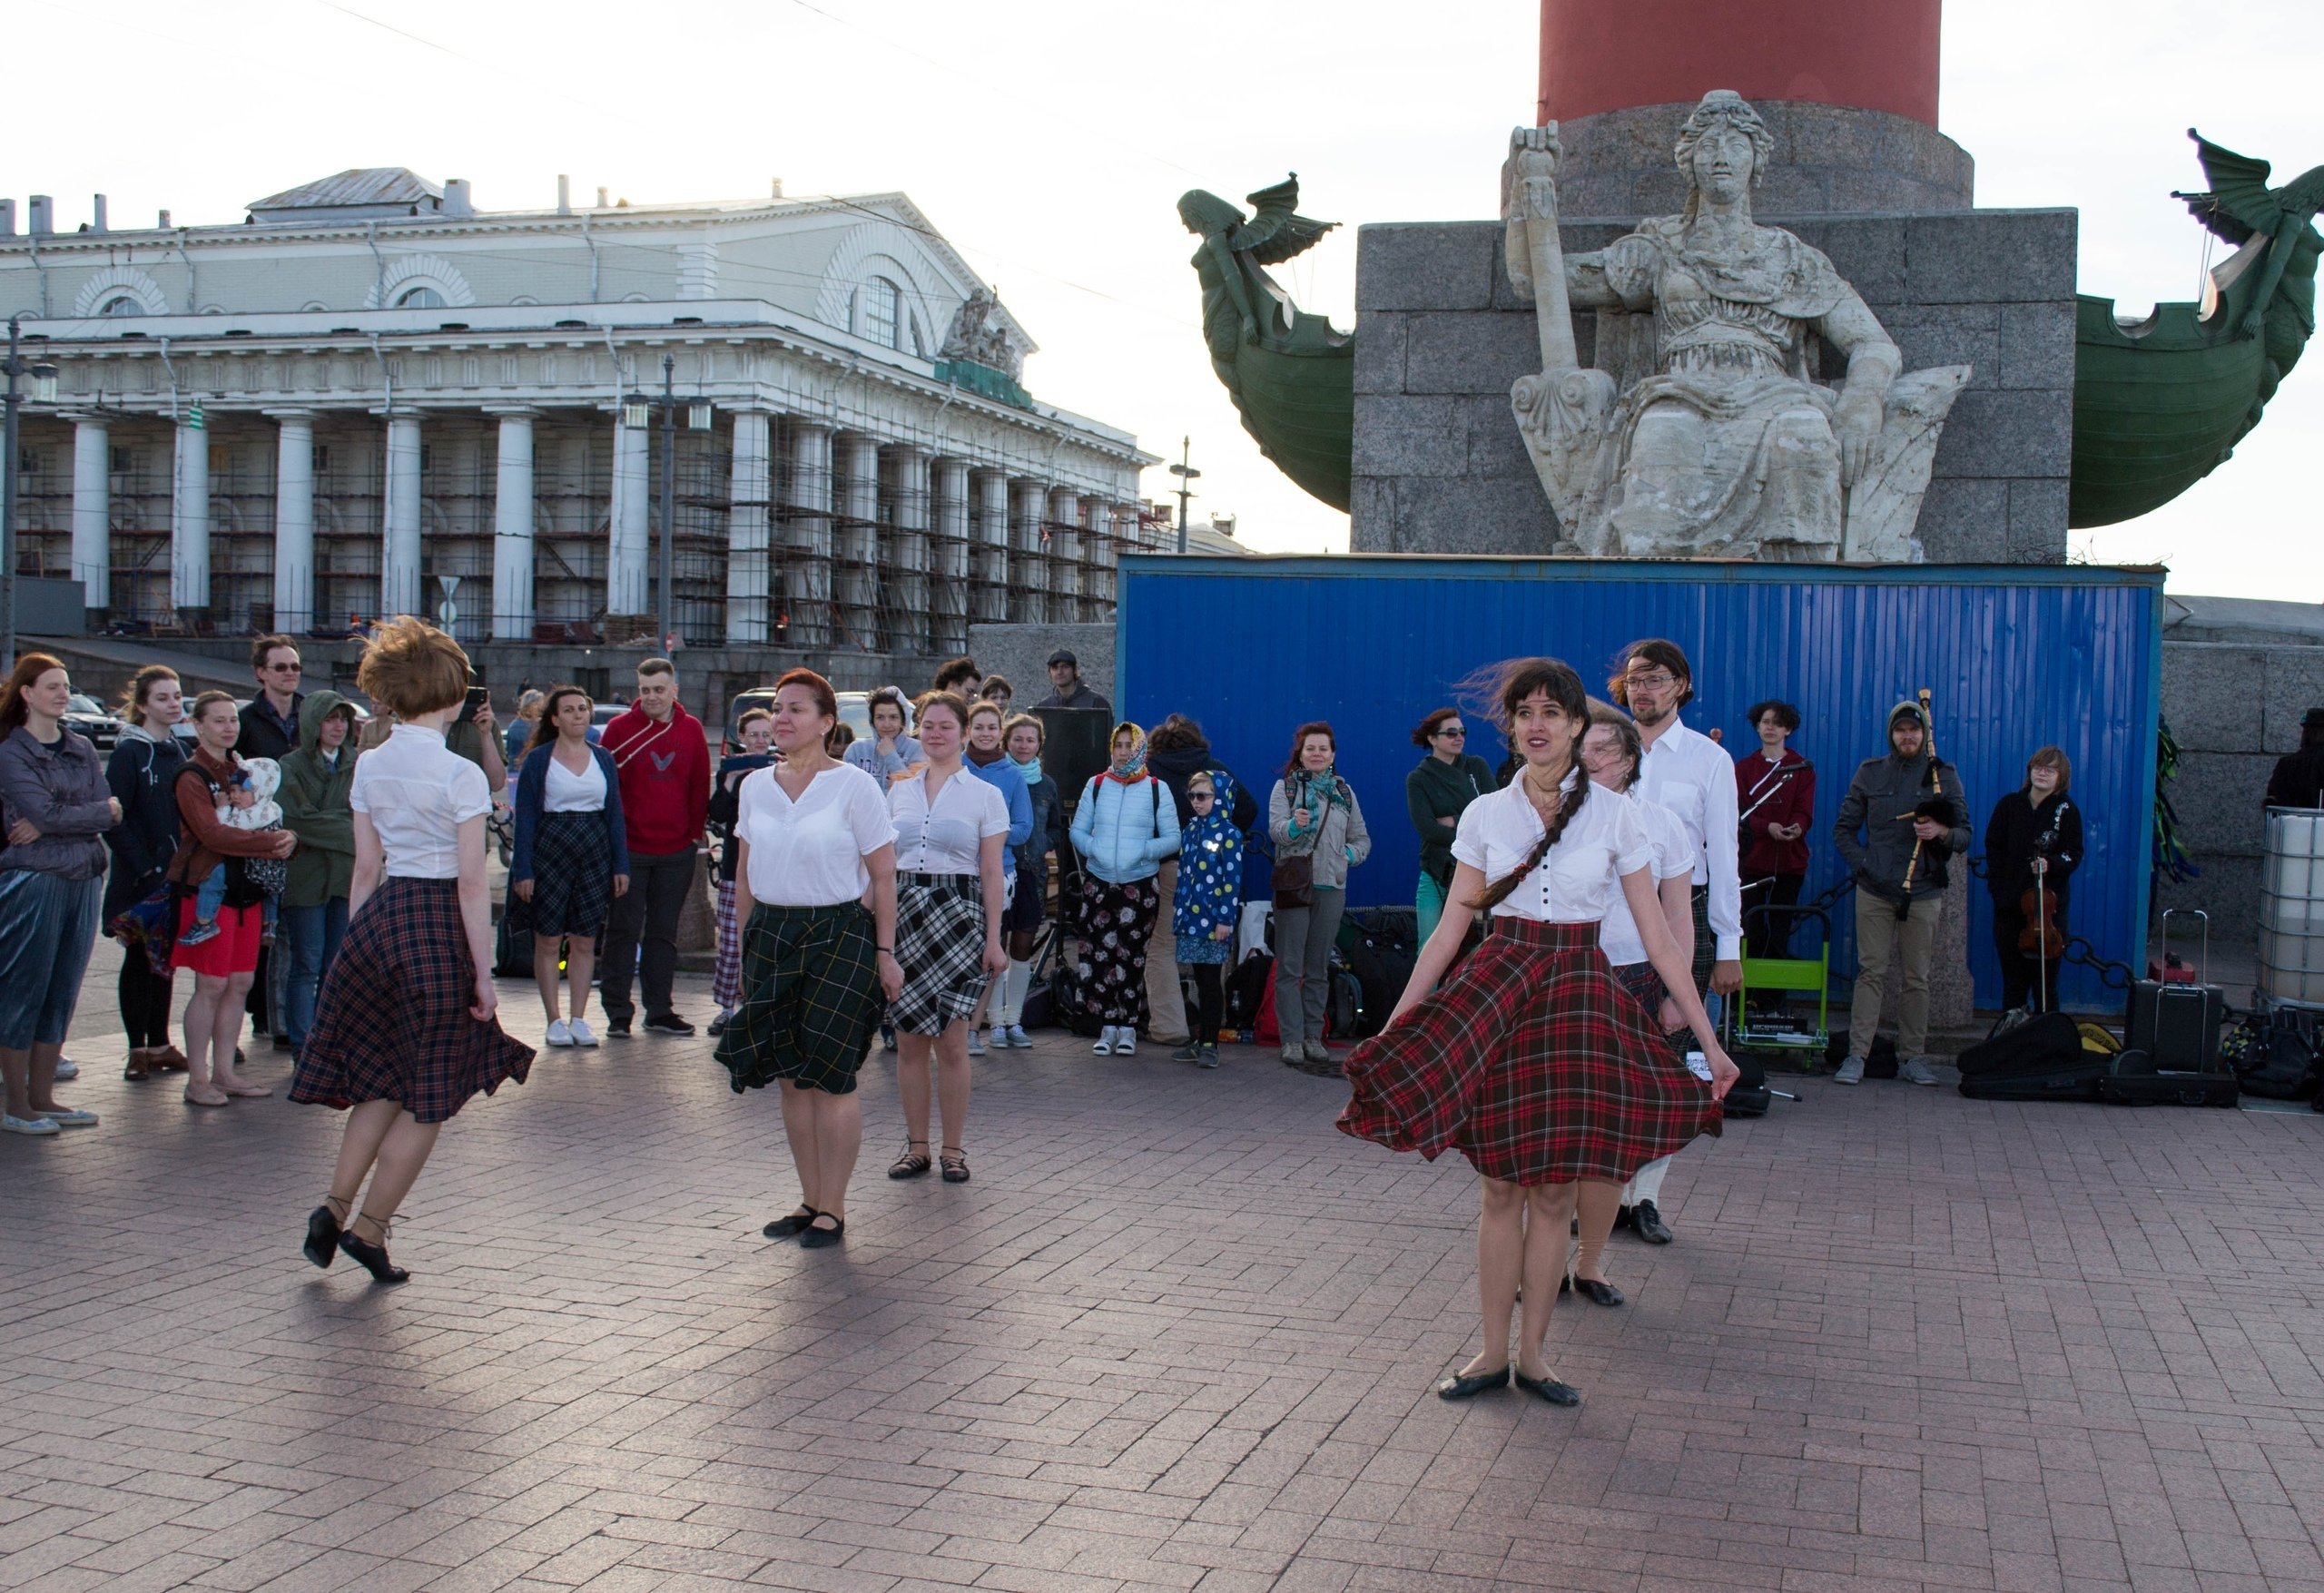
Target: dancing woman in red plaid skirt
(1531,1061)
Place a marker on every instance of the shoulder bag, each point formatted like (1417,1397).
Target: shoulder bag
(1294,876)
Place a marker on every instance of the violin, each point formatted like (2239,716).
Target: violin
(2043,936)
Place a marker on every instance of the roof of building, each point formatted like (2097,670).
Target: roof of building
(358,185)
(2241,619)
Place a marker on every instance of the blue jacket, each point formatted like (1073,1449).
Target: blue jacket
(532,797)
(1004,777)
(1123,832)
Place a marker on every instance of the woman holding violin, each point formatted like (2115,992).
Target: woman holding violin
(2033,845)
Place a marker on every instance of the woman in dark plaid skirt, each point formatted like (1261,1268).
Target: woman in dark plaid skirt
(815,889)
(571,857)
(1531,1061)
(407,1029)
(951,827)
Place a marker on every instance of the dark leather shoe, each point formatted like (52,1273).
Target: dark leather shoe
(322,1236)
(1463,1388)
(374,1257)
(1597,1291)
(1546,1388)
(816,1238)
(793,1226)
(1649,1223)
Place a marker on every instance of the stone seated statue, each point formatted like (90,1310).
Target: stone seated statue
(1700,431)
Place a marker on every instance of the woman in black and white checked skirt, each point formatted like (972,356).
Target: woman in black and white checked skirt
(814,844)
(951,828)
(406,1031)
(572,854)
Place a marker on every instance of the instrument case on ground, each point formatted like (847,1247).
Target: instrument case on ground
(2041,1059)
(2133,1078)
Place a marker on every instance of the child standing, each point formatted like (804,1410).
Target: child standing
(249,804)
(1209,900)
(757,730)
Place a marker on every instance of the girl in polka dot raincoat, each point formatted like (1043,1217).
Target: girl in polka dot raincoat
(1209,900)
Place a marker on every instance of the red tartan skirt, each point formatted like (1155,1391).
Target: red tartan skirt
(393,1023)
(1532,1061)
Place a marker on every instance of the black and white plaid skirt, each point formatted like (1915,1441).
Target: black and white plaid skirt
(939,941)
(573,875)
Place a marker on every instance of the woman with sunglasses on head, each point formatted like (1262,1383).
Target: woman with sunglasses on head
(1530,1061)
(1437,793)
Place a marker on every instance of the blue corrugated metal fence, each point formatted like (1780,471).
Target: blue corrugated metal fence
(2015,656)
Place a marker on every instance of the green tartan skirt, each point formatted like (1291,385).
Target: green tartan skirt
(811,999)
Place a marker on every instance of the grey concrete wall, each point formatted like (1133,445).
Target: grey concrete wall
(1441,337)
(1022,651)
(1828,159)
(2234,707)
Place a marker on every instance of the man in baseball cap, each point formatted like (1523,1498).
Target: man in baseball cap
(1067,690)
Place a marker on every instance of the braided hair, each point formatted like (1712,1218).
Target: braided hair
(1511,684)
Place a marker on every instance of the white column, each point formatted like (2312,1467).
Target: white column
(294,521)
(399,556)
(1065,556)
(989,524)
(93,510)
(857,543)
(512,528)
(948,521)
(189,520)
(1029,563)
(626,587)
(903,547)
(807,575)
(749,573)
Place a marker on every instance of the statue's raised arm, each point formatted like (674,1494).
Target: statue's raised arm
(1712,438)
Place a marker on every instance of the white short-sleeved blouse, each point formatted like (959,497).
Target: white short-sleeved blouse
(1675,852)
(564,791)
(1574,883)
(417,794)
(944,839)
(810,852)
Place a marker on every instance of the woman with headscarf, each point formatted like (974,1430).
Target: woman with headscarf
(1125,824)
(1313,816)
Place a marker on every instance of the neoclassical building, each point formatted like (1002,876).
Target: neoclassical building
(370,397)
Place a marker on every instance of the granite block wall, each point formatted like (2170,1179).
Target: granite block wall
(1441,337)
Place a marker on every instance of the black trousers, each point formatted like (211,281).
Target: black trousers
(1210,1000)
(642,934)
(1768,934)
(144,1002)
(2022,973)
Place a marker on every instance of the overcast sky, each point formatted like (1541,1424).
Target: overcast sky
(1050,141)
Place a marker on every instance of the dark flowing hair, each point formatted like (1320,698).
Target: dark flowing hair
(545,727)
(1625,731)
(1658,651)
(1508,685)
(1321,727)
(29,668)
(141,686)
(1425,731)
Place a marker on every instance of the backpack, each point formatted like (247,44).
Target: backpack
(1250,986)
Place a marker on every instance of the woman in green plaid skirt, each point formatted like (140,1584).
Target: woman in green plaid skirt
(816,846)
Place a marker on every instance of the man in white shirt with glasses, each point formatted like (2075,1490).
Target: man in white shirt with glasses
(1692,775)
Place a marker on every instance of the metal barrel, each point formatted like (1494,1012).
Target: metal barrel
(2292,908)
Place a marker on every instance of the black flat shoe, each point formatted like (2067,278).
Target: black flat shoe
(373,1256)
(816,1238)
(956,1163)
(322,1236)
(794,1224)
(1597,1291)
(1460,1387)
(1546,1388)
(1649,1223)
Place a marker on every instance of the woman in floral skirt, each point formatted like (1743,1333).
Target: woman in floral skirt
(1125,824)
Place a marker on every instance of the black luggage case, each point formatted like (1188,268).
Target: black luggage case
(2179,1025)
(2134,1080)
(2041,1059)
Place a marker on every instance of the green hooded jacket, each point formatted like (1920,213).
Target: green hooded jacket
(315,808)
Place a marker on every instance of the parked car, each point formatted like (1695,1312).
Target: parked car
(854,712)
(86,714)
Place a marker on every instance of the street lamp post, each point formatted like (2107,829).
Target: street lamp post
(637,413)
(43,391)
(1185,473)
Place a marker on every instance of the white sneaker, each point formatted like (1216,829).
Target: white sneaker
(999,1038)
(580,1034)
(976,1042)
(1017,1038)
(67,1068)
(1125,1040)
(1105,1045)
(559,1034)
(26,1126)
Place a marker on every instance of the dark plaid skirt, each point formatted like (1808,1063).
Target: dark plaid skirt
(1534,1063)
(573,875)
(393,1023)
(811,999)
(1116,922)
(1705,943)
(939,940)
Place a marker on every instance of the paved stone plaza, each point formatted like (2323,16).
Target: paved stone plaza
(1177,1334)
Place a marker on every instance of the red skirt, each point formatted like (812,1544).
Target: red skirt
(232,950)
(1532,1061)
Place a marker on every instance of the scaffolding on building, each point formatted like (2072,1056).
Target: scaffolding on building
(573,481)
(802,473)
(906,615)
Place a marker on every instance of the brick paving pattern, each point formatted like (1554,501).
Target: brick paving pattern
(1177,1334)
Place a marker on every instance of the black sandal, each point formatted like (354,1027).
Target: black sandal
(323,1228)
(956,1163)
(793,1226)
(912,1164)
(816,1238)
(1546,1388)
(1469,1385)
(373,1256)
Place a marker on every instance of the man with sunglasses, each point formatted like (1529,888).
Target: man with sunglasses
(1692,775)
(271,719)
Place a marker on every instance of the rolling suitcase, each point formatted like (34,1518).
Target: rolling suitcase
(2175,1022)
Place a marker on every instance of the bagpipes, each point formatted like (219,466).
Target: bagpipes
(1936,807)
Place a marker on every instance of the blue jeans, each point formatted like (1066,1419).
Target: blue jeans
(312,935)
(48,925)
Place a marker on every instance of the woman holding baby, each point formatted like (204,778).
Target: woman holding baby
(219,803)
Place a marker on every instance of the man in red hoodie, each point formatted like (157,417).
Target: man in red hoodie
(665,766)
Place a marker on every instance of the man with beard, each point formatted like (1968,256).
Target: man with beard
(1687,773)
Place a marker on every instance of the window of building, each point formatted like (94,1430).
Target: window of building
(121,461)
(883,305)
(120,304)
(419,298)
